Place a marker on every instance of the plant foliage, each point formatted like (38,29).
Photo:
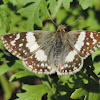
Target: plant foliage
(28,15)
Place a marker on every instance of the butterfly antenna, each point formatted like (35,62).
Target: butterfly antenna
(80,18)
(52,21)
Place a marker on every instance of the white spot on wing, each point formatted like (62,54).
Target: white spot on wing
(46,64)
(20,45)
(87,47)
(26,66)
(40,55)
(80,41)
(95,48)
(13,42)
(94,40)
(10,36)
(42,64)
(71,56)
(49,67)
(87,43)
(71,72)
(31,41)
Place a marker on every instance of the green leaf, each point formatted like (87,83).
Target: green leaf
(6,87)
(5,68)
(94,96)
(66,3)
(34,92)
(4,21)
(1,46)
(60,17)
(21,74)
(78,93)
(90,22)
(5,1)
(96,53)
(86,3)
(32,13)
(24,2)
(52,6)
(96,61)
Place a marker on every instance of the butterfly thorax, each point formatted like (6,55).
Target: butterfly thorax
(60,33)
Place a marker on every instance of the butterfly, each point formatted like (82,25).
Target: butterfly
(44,52)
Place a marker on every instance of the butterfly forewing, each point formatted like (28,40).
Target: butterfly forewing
(16,44)
(24,44)
(84,42)
(91,43)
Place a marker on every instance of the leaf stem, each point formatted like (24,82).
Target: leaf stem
(90,71)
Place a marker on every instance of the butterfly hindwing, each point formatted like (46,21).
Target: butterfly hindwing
(72,62)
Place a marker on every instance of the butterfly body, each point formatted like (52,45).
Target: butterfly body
(58,50)
(44,52)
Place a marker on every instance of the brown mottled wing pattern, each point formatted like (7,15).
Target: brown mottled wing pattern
(46,53)
(30,47)
(82,43)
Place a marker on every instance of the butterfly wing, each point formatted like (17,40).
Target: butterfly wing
(24,44)
(85,42)
(32,47)
(82,44)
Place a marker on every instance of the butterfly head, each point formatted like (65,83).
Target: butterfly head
(61,28)
(60,33)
